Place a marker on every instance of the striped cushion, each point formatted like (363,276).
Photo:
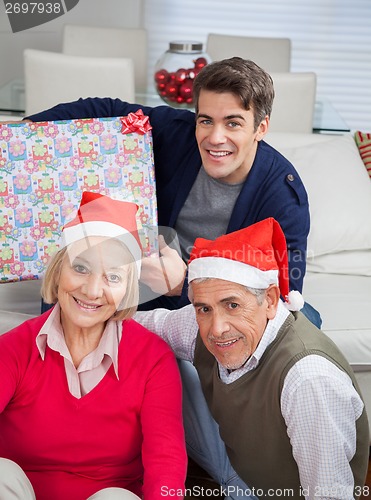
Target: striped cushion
(363,141)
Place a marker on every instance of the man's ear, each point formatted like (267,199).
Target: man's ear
(272,295)
(262,129)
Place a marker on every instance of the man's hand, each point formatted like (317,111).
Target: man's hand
(164,274)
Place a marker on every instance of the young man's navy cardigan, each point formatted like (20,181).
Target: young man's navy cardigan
(273,187)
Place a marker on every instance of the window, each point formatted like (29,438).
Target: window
(330,37)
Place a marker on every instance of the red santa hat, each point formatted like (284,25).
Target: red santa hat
(100,215)
(255,256)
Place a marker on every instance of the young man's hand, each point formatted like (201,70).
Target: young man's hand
(164,274)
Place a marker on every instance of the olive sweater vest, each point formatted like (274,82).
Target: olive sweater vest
(248,410)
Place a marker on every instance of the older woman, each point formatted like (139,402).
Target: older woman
(90,401)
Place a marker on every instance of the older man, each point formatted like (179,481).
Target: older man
(284,412)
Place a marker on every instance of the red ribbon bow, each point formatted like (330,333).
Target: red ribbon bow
(135,122)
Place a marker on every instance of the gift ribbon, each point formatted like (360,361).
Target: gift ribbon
(135,122)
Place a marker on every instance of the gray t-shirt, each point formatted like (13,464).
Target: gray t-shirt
(206,211)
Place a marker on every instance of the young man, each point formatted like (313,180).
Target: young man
(288,413)
(214,172)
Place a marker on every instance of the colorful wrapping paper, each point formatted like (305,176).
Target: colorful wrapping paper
(45,167)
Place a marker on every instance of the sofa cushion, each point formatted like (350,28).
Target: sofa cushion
(19,301)
(9,320)
(21,297)
(356,262)
(339,194)
(344,305)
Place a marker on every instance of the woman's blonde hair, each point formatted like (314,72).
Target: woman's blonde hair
(128,305)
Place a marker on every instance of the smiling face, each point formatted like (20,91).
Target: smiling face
(230,319)
(92,282)
(226,136)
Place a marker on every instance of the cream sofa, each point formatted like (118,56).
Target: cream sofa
(338,280)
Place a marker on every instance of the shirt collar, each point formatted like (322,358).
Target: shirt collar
(51,335)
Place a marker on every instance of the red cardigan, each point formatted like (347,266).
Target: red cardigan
(126,433)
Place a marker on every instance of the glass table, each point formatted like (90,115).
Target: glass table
(327,119)
(12,103)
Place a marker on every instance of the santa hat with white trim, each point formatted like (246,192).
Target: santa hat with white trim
(100,215)
(255,256)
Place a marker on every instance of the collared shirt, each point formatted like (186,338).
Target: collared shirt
(93,366)
(318,402)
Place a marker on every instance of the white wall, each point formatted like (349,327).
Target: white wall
(114,13)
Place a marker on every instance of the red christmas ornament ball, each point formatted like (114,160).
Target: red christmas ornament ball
(162,76)
(180,75)
(186,89)
(171,90)
(200,62)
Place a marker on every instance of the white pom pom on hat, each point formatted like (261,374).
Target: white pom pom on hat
(294,301)
(255,256)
